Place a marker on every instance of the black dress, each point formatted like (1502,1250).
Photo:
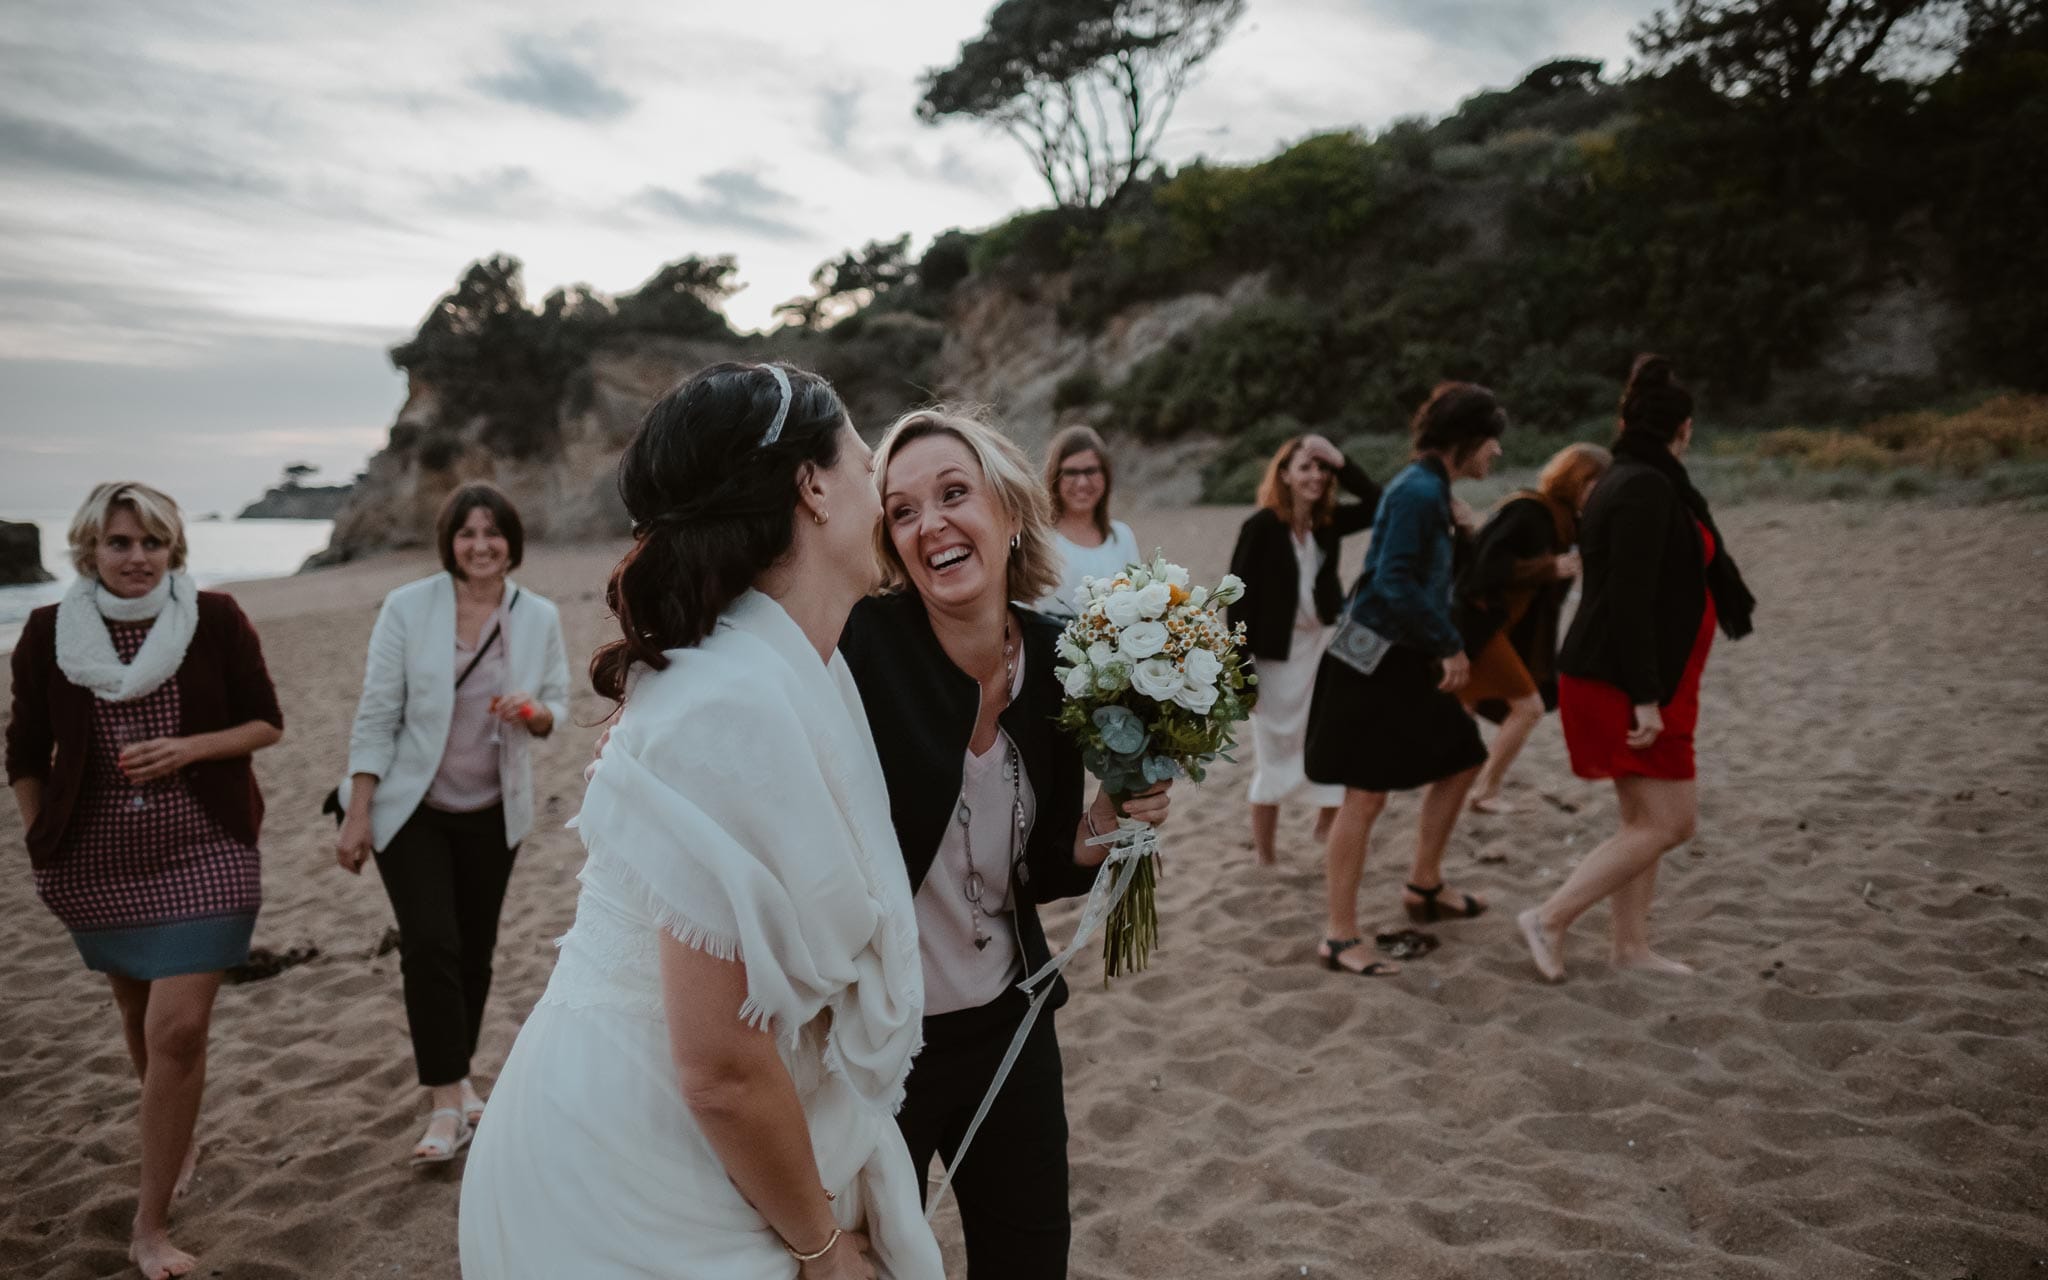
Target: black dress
(1395,730)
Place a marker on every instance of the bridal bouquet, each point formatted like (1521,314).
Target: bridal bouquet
(1154,685)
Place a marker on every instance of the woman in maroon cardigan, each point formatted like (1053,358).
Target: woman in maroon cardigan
(137,702)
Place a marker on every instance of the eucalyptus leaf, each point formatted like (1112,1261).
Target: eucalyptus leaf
(1122,731)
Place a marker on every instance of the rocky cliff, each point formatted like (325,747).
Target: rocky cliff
(1002,347)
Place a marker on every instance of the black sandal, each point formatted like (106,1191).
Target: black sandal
(1430,911)
(1338,946)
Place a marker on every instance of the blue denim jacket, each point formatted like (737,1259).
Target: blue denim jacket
(1405,591)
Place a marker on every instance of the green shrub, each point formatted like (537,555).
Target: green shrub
(1266,358)
(1081,387)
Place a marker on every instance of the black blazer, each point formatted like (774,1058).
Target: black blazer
(1645,585)
(922,710)
(1264,558)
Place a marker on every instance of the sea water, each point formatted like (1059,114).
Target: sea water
(221,551)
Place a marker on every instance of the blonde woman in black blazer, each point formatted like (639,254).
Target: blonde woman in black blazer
(1287,554)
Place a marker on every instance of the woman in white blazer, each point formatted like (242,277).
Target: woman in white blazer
(465,669)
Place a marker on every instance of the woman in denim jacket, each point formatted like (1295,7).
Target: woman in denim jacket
(1386,716)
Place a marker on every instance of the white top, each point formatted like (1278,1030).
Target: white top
(1078,562)
(1308,559)
(957,974)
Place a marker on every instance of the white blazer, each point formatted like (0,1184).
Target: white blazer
(408,700)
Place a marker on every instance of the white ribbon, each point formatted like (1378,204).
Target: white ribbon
(1129,844)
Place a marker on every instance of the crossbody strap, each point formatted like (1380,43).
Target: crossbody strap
(485,647)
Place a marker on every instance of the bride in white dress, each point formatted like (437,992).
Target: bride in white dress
(706,1089)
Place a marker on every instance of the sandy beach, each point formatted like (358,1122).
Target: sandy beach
(1853,1086)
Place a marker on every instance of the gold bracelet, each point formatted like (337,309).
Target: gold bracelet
(813,1257)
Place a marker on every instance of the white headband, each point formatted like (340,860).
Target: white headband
(774,431)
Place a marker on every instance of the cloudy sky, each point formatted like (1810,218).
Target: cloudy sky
(217,215)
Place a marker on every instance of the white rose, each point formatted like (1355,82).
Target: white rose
(1230,590)
(1176,576)
(1121,609)
(1079,679)
(1156,678)
(1101,653)
(1153,599)
(1142,640)
(1070,651)
(1203,667)
(1197,597)
(1196,698)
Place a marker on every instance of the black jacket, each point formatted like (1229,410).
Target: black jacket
(1513,561)
(922,709)
(1264,558)
(1645,586)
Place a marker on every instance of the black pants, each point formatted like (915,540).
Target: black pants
(1012,1184)
(446,874)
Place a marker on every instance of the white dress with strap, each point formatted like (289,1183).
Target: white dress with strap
(739,807)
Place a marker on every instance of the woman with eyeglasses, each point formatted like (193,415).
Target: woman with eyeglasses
(1085,541)
(1287,555)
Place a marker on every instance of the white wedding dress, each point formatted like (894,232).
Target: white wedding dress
(740,807)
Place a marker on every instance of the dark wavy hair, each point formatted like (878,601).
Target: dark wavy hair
(1457,418)
(1655,403)
(712,506)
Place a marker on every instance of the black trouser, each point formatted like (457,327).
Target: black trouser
(446,875)
(1012,1184)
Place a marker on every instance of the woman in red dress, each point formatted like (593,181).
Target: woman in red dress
(1658,579)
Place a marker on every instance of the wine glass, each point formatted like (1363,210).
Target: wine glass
(129,733)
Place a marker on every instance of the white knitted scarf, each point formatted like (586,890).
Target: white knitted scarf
(85,650)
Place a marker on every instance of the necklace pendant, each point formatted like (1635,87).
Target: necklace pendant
(980,941)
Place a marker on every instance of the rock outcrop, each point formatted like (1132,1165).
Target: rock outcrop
(1003,348)
(565,495)
(21,554)
(299,502)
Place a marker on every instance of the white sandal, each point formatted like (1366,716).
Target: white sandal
(433,1150)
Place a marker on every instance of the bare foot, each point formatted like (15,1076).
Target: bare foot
(1545,948)
(1492,804)
(157,1258)
(186,1170)
(1265,858)
(1649,960)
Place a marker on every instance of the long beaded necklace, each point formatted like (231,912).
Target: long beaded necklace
(976,887)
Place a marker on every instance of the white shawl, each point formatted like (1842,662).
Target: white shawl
(86,653)
(741,786)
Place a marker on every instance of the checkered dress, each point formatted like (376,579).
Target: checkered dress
(121,866)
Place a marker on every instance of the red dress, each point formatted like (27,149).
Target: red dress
(1597,716)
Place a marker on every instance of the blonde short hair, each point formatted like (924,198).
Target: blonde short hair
(1034,565)
(154,510)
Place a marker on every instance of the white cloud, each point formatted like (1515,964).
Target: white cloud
(189,180)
